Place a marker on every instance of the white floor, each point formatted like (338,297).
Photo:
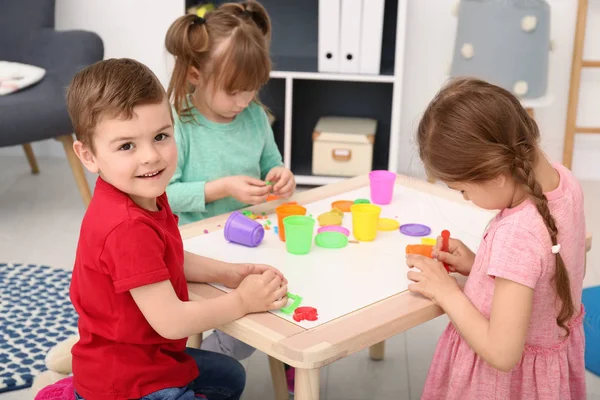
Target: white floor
(39,223)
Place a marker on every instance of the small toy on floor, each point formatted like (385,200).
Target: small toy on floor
(61,390)
(290,376)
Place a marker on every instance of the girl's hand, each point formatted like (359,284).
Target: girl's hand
(236,273)
(433,281)
(262,292)
(459,257)
(247,190)
(285,184)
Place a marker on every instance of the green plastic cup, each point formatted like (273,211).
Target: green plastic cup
(298,234)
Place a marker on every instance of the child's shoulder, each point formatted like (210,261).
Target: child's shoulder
(569,186)
(522,224)
(255,111)
(108,210)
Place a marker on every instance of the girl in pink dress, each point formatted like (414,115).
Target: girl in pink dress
(516,329)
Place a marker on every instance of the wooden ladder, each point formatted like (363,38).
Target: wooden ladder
(577,65)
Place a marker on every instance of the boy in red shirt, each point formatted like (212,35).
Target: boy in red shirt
(129,279)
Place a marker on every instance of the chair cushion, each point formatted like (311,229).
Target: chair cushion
(35,113)
(17,76)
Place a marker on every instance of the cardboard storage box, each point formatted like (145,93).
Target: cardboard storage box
(343,146)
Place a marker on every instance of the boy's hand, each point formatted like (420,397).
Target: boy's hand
(459,257)
(262,292)
(285,184)
(235,273)
(247,190)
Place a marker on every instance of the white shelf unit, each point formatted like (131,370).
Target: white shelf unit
(295,77)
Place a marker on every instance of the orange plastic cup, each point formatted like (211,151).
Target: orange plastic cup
(286,210)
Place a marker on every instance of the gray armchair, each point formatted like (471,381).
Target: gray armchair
(39,112)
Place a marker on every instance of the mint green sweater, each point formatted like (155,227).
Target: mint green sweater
(209,150)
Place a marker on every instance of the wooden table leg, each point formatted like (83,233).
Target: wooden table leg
(307,384)
(377,351)
(279,380)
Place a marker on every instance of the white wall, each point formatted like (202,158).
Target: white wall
(430,32)
(136,29)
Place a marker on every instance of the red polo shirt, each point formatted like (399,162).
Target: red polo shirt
(122,247)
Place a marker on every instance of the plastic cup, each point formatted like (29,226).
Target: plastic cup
(299,234)
(243,230)
(382,186)
(286,210)
(365,220)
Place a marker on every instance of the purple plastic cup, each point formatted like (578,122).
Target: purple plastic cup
(243,230)
(382,186)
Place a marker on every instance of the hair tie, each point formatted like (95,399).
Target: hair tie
(205,9)
(556,249)
(198,21)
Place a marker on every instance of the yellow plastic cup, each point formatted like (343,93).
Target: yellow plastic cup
(365,220)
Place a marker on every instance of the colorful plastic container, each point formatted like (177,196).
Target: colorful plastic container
(243,230)
(299,234)
(334,228)
(331,240)
(286,210)
(382,186)
(365,221)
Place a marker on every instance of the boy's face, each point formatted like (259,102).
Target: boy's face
(137,156)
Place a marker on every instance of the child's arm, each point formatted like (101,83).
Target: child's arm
(184,196)
(271,166)
(192,196)
(203,269)
(515,264)
(501,339)
(270,157)
(175,319)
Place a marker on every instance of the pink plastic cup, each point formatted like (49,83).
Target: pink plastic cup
(382,186)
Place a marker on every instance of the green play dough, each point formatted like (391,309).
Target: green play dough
(362,201)
(331,240)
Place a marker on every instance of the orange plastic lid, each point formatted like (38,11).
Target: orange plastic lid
(342,205)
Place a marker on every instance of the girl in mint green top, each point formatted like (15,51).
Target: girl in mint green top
(243,150)
(227,154)
(226,147)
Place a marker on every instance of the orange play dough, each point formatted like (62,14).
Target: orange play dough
(420,249)
(342,205)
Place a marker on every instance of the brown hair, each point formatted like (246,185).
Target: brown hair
(110,88)
(230,45)
(473,131)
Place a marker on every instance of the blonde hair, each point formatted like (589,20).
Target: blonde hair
(110,88)
(473,131)
(230,45)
